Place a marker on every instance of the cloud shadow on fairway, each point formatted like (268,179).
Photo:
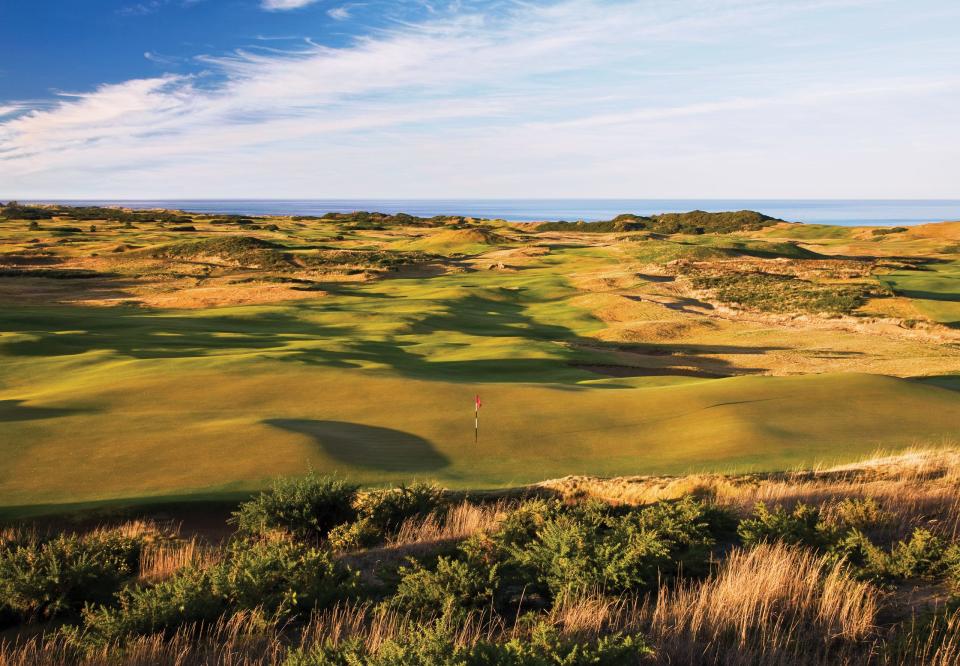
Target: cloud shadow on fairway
(366,446)
(15,410)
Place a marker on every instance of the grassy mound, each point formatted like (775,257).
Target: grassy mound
(235,250)
(473,240)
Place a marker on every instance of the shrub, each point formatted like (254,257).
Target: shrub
(46,579)
(922,555)
(278,577)
(306,507)
(435,645)
(186,598)
(544,551)
(569,555)
(387,509)
(853,513)
(361,533)
(452,585)
(800,526)
(382,512)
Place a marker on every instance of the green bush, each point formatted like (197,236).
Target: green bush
(569,555)
(923,555)
(361,533)
(45,579)
(387,509)
(854,513)
(800,526)
(186,598)
(380,513)
(434,645)
(306,507)
(543,551)
(451,586)
(594,547)
(278,577)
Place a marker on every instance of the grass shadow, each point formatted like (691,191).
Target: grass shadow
(369,447)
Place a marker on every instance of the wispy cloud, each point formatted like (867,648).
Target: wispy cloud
(147,7)
(341,13)
(571,98)
(281,5)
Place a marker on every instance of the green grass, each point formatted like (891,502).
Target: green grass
(376,381)
(935,291)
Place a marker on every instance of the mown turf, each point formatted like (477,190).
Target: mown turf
(935,290)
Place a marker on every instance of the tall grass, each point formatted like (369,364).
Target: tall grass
(771,604)
(919,487)
(458,522)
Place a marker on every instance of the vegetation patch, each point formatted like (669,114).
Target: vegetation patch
(776,292)
(543,580)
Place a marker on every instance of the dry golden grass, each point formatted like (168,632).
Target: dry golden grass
(936,644)
(772,604)
(161,560)
(459,522)
(918,487)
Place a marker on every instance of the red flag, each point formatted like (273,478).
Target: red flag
(478,403)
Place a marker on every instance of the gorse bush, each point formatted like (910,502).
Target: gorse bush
(435,645)
(381,513)
(388,508)
(43,579)
(279,578)
(841,531)
(306,508)
(801,526)
(545,551)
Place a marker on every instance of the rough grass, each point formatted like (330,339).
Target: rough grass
(772,292)
(764,605)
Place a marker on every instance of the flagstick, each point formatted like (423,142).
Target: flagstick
(476,424)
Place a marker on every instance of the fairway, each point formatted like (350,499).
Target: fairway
(591,353)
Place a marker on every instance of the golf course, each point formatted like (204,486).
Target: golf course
(155,356)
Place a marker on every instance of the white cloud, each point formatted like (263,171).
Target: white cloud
(281,5)
(576,98)
(341,13)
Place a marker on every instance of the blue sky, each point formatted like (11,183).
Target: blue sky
(440,98)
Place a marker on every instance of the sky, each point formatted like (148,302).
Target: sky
(135,99)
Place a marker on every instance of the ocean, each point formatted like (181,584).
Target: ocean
(849,212)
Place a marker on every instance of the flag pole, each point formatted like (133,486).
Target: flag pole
(476,419)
